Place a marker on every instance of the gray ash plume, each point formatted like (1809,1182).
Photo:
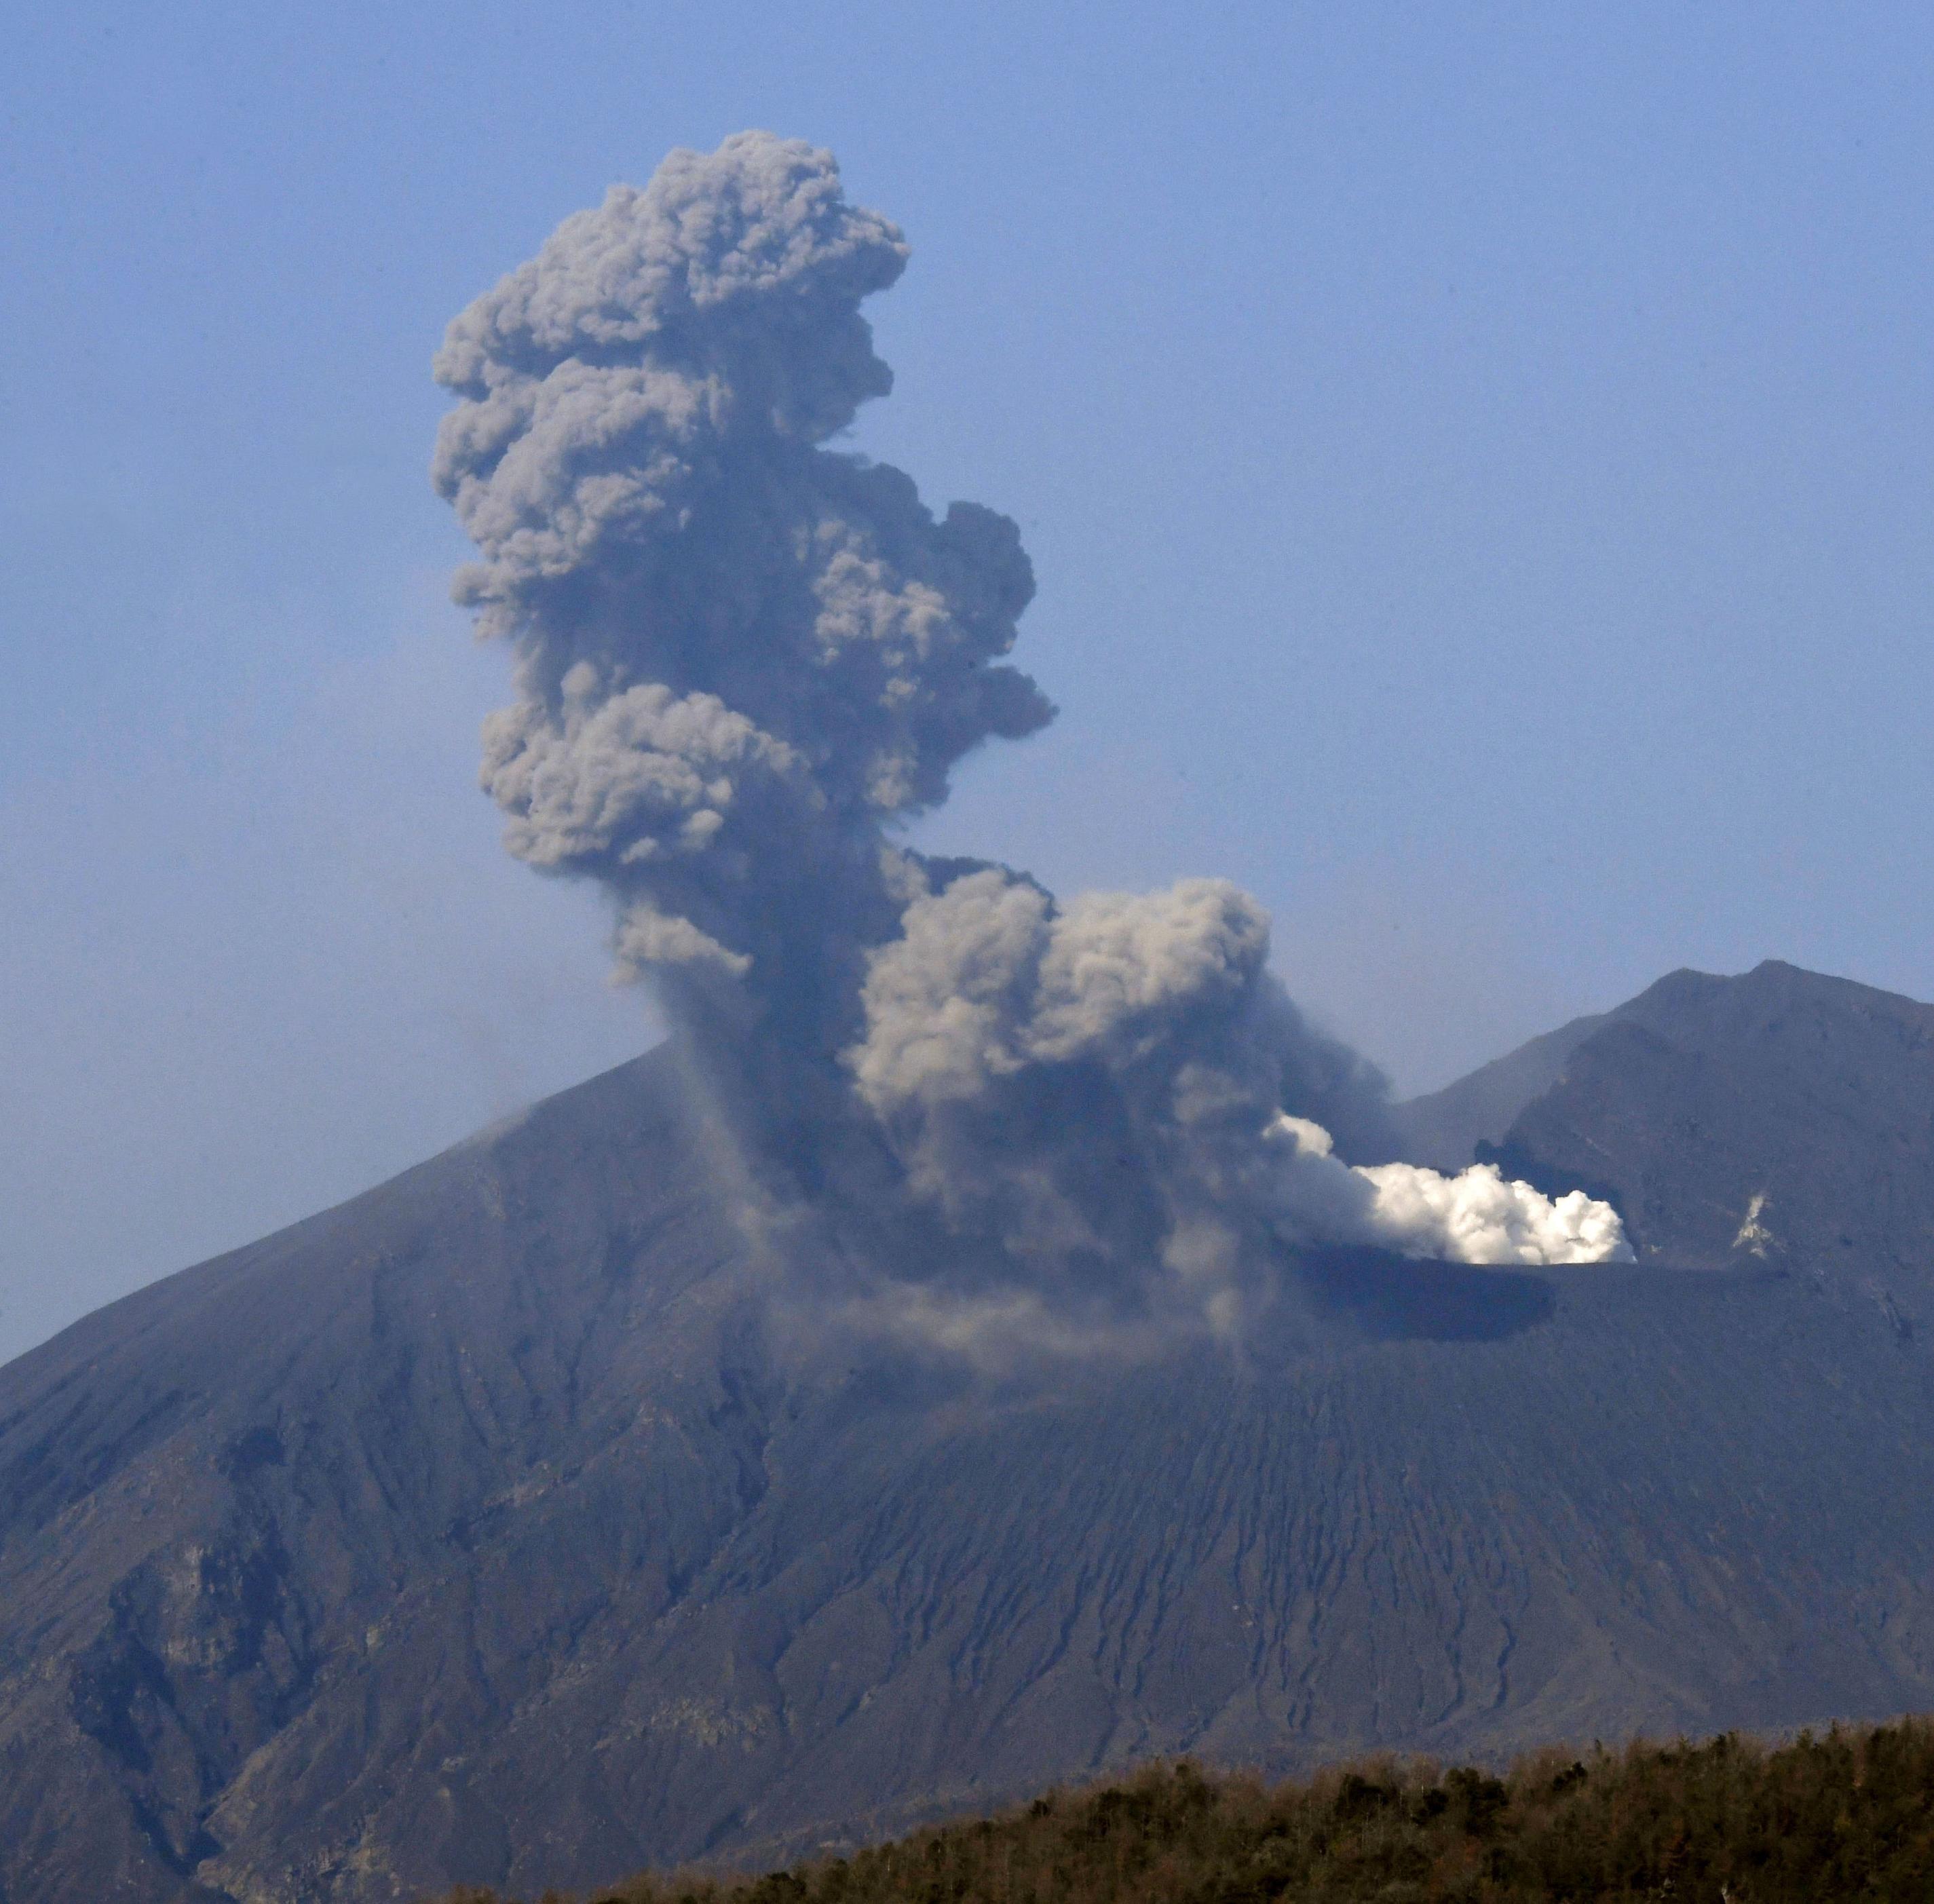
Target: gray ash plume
(746,659)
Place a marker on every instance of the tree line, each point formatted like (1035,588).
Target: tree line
(1843,1814)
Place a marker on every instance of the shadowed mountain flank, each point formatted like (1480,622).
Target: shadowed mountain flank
(501,1527)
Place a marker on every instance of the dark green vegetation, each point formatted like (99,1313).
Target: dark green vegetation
(1844,1816)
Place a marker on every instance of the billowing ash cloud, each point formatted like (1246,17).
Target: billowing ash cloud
(746,659)
(740,655)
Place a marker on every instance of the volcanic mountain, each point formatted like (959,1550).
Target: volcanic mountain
(498,1526)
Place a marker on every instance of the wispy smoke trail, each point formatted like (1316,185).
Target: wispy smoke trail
(745,660)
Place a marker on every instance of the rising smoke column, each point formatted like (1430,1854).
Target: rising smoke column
(740,656)
(745,660)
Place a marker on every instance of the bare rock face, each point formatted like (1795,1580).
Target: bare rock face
(480,1529)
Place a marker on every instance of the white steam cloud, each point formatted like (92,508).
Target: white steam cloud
(1477,1216)
(746,659)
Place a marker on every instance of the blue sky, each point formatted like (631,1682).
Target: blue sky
(1476,460)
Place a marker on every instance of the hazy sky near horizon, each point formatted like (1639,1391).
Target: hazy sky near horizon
(1476,461)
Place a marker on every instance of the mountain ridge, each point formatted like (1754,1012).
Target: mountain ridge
(1801,1109)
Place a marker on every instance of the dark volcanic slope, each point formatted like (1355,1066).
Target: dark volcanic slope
(1444,1128)
(1781,1117)
(281,1538)
(468,1532)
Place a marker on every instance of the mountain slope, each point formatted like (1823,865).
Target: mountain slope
(1781,1117)
(218,1495)
(1443,1128)
(476,1530)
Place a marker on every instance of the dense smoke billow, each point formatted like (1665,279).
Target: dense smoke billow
(746,660)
